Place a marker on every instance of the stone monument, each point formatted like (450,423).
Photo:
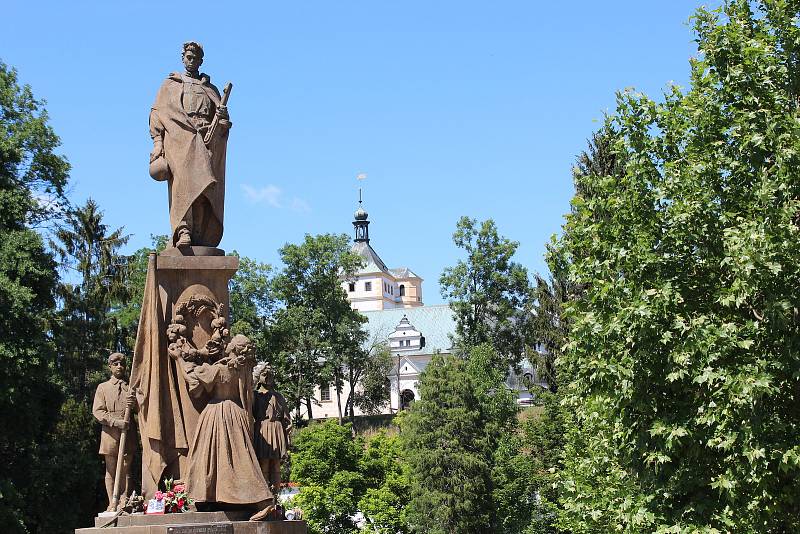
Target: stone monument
(273,422)
(192,382)
(111,399)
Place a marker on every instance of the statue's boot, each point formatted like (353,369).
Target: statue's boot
(265,513)
(184,238)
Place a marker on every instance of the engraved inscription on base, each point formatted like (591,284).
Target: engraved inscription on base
(215,528)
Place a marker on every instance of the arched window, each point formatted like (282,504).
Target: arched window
(402,290)
(406,398)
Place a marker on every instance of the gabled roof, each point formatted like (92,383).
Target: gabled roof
(408,367)
(436,323)
(372,262)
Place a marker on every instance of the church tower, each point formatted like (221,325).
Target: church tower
(375,286)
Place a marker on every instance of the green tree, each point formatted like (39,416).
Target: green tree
(487,290)
(446,443)
(126,314)
(30,169)
(341,475)
(373,394)
(548,323)
(526,463)
(252,303)
(322,449)
(683,404)
(386,479)
(298,356)
(87,331)
(325,461)
(321,334)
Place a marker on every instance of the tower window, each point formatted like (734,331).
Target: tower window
(351,287)
(367,286)
(402,290)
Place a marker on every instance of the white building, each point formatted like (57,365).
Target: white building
(375,286)
(391,300)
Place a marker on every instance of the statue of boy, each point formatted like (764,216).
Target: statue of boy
(110,401)
(273,422)
(180,119)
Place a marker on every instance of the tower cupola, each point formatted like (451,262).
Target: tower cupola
(360,223)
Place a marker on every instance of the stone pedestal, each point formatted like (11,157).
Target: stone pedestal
(182,277)
(192,283)
(231,522)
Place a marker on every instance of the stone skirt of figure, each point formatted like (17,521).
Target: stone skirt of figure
(223,467)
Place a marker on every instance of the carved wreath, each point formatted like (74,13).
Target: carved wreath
(177,332)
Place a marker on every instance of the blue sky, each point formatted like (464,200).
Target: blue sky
(450,107)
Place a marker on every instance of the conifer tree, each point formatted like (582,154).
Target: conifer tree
(446,448)
(94,286)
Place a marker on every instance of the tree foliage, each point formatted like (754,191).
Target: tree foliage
(451,434)
(487,290)
(683,349)
(325,463)
(320,334)
(548,322)
(252,302)
(94,285)
(126,314)
(387,486)
(372,393)
(29,168)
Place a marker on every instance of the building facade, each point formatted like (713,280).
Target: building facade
(375,286)
(391,300)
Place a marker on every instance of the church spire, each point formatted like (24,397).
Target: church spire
(361,224)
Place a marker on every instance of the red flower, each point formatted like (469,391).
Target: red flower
(158,496)
(179,488)
(170,494)
(181,502)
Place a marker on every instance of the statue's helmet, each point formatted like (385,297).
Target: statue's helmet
(159,169)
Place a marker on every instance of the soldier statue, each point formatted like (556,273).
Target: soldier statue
(189,125)
(110,401)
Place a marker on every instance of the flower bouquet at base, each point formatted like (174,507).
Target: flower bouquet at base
(173,500)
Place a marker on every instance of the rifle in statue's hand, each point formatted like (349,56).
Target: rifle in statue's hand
(123,443)
(226,92)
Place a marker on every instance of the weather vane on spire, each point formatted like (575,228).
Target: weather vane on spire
(360,176)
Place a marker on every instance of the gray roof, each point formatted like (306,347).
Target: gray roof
(372,262)
(404,272)
(436,323)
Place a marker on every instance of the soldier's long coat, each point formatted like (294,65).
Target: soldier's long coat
(195,169)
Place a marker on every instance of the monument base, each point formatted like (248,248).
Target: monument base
(226,522)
